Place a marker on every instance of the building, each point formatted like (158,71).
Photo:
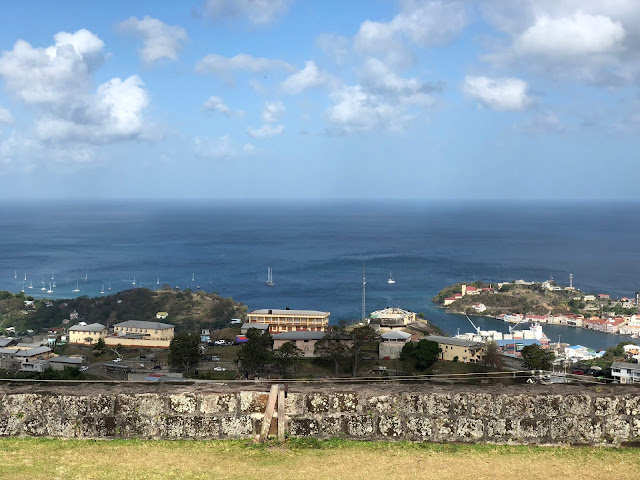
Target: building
(391,318)
(625,372)
(162,315)
(32,354)
(465,351)
(392,343)
(515,346)
(87,334)
(304,340)
(290,320)
(263,327)
(138,333)
(60,362)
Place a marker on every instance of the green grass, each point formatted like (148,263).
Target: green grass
(309,459)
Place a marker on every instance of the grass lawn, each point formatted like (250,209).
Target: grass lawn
(35,459)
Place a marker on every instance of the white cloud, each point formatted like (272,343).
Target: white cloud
(355,109)
(272,111)
(215,104)
(54,74)
(159,39)
(424,23)
(578,34)
(222,148)
(310,76)
(224,67)
(334,45)
(265,131)
(58,82)
(502,94)
(378,77)
(586,41)
(5,116)
(259,12)
(113,113)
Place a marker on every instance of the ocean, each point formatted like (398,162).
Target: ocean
(317,252)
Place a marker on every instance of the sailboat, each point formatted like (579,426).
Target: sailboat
(25,276)
(43,288)
(50,290)
(134,280)
(53,280)
(30,284)
(102,291)
(269,281)
(158,281)
(22,288)
(390,280)
(193,277)
(109,286)
(86,276)
(15,274)
(77,289)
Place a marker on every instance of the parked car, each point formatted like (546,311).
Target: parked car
(220,342)
(219,369)
(235,321)
(84,368)
(117,360)
(157,367)
(215,358)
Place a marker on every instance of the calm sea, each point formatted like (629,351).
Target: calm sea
(317,252)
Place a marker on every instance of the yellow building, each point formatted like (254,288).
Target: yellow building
(137,333)
(467,351)
(87,334)
(290,320)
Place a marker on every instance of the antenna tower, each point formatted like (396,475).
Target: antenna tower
(364,290)
(571,280)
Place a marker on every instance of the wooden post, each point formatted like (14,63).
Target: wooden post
(281,417)
(268,413)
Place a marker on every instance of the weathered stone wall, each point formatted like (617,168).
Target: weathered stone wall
(498,414)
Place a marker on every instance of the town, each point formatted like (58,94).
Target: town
(286,343)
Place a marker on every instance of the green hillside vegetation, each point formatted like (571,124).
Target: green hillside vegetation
(512,298)
(188,310)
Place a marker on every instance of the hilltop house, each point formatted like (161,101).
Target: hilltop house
(87,334)
(138,333)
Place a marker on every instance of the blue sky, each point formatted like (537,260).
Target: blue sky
(309,100)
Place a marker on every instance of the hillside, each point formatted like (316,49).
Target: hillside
(511,298)
(187,310)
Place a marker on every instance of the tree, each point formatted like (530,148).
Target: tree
(425,353)
(256,352)
(361,337)
(537,358)
(100,345)
(492,356)
(287,356)
(184,351)
(333,346)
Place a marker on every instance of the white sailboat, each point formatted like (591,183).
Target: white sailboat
(50,290)
(269,281)
(43,288)
(158,281)
(22,287)
(15,274)
(77,289)
(86,276)
(53,280)
(25,276)
(102,291)
(109,286)
(193,277)
(134,280)
(390,280)
(30,284)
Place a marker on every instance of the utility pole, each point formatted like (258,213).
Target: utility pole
(364,290)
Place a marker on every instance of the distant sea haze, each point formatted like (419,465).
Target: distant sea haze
(317,252)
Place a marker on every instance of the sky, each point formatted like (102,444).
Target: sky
(320,100)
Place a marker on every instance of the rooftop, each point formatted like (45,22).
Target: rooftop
(32,351)
(273,311)
(143,324)
(299,335)
(94,327)
(397,335)
(257,326)
(63,359)
(632,366)
(453,341)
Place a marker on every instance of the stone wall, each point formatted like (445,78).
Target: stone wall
(434,413)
